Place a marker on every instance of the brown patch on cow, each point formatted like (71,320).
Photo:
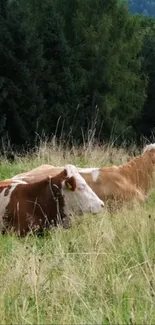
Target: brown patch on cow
(36,206)
(139,171)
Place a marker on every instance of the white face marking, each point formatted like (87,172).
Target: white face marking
(4,200)
(83,199)
(95,175)
(149,147)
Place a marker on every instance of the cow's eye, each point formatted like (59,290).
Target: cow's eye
(81,187)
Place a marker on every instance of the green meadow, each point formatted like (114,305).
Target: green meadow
(100,271)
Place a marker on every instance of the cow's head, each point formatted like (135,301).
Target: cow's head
(79,197)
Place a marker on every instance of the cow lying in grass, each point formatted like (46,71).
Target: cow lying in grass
(126,182)
(45,202)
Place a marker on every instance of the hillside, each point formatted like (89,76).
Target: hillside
(101,271)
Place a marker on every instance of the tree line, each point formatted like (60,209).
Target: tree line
(75,68)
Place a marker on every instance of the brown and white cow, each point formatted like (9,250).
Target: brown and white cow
(126,182)
(40,203)
(107,184)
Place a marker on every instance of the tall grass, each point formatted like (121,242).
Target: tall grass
(101,271)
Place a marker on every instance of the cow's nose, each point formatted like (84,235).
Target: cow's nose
(102,205)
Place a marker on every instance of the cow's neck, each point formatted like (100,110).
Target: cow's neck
(139,171)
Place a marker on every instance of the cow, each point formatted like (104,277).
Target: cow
(125,182)
(107,184)
(38,204)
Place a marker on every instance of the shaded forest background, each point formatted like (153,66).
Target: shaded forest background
(77,69)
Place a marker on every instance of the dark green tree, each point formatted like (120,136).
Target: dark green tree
(21,65)
(108,40)
(145,125)
(76,62)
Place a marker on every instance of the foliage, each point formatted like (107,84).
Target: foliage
(20,68)
(145,122)
(108,41)
(74,69)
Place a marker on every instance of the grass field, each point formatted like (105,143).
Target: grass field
(101,271)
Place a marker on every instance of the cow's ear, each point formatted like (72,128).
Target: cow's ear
(71,183)
(65,172)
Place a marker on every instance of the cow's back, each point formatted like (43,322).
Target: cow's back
(38,174)
(36,171)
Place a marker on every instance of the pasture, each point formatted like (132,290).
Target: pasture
(100,271)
